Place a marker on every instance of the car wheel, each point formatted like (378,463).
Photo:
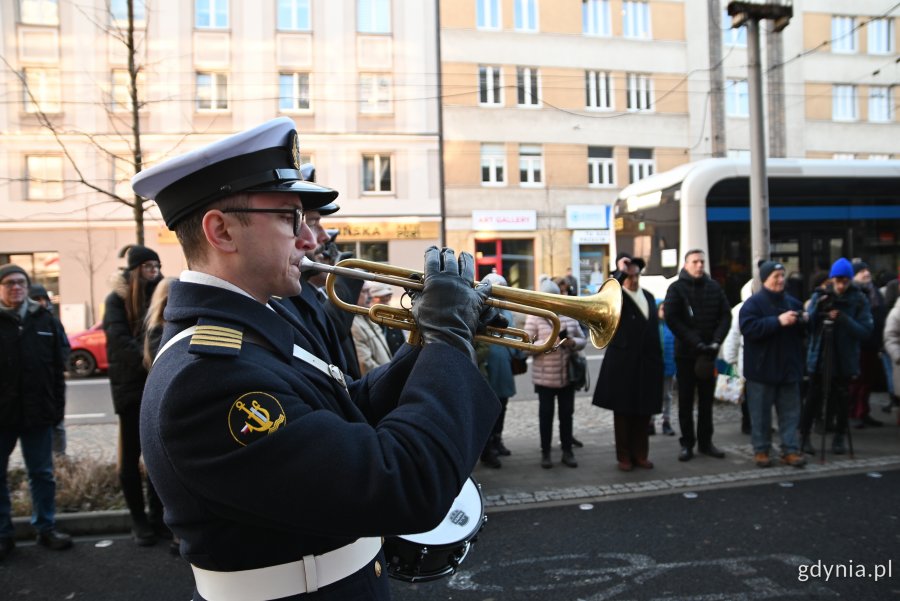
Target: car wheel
(81,364)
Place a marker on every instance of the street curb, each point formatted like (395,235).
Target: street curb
(83,523)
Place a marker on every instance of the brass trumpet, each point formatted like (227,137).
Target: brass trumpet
(600,311)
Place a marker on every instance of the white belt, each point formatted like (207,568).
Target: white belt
(304,576)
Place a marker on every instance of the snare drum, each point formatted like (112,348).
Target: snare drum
(438,553)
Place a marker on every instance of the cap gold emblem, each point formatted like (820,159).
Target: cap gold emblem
(295,149)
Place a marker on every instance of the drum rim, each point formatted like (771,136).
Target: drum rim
(476,523)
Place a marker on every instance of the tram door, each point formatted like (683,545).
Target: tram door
(805,254)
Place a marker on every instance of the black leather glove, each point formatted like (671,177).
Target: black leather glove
(711,348)
(448,308)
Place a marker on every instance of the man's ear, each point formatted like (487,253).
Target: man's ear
(218,231)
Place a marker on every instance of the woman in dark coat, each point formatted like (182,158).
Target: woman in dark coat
(123,322)
(631,376)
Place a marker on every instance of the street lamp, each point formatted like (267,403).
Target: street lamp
(750,13)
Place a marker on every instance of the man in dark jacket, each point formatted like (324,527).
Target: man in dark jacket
(840,319)
(772,325)
(697,312)
(32,400)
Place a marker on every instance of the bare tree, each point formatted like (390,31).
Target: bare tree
(128,130)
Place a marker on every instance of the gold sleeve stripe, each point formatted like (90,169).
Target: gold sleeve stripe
(215,342)
(219,331)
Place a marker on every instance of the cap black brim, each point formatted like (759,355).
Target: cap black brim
(313,196)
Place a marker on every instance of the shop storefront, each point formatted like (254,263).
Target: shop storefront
(590,245)
(504,244)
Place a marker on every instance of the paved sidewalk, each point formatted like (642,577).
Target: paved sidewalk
(522,482)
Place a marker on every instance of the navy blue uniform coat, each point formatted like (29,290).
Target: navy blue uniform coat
(386,458)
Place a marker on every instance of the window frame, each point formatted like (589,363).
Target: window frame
(140,20)
(732,36)
(528,84)
(599,168)
(844,35)
(495,156)
(596,18)
(374,86)
(41,89)
(296,92)
(886,110)
(493,79)
(115,86)
(640,28)
(639,168)
(211,11)
(839,101)
(737,96)
(39,15)
(377,158)
(642,94)
(485,11)
(214,86)
(294,8)
(885,31)
(374,25)
(594,91)
(532,164)
(30,183)
(528,13)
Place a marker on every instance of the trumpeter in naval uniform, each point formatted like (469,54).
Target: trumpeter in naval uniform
(279,476)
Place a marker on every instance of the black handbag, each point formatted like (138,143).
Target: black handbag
(518,365)
(578,371)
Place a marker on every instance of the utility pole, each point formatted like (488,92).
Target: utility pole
(716,80)
(750,13)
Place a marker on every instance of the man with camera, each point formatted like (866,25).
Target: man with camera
(698,314)
(772,325)
(840,319)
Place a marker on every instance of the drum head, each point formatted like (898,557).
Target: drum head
(461,523)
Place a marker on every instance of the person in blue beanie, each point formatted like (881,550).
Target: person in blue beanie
(840,319)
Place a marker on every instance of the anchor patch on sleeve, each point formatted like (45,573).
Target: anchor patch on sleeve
(254,415)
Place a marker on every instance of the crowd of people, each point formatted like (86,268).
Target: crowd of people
(208,370)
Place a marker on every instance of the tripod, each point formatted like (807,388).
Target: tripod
(828,405)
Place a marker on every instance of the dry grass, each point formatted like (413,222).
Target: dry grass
(82,484)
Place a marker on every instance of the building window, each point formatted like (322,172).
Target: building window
(375,93)
(493,165)
(527,86)
(376,173)
(42,91)
(881,36)
(39,12)
(212,92)
(737,98)
(488,14)
(489,90)
(601,166)
(640,164)
(595,17)
(44,175)
(880,107)
(843,103)
(636,19)
(843,34)
(367,251)
(373,16)
(640,95)
(121,90)
(531,162)
(526,15)
(122,172)
(511,258)
(118,11)
(732,36)
(211,14)
(598,90)
(293,15)
(879,157)
(293,92)
(843,156)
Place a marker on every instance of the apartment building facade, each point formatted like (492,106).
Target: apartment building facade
(357,76)
(510,138)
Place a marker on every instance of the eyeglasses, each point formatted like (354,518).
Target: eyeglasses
(296,213)
(14,283)
(151,266)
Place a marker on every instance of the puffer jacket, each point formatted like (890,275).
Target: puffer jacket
(124,350)
(551,369)
(32,386)
(892,342)
(696,311)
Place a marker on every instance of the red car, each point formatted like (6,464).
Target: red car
(88,352)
